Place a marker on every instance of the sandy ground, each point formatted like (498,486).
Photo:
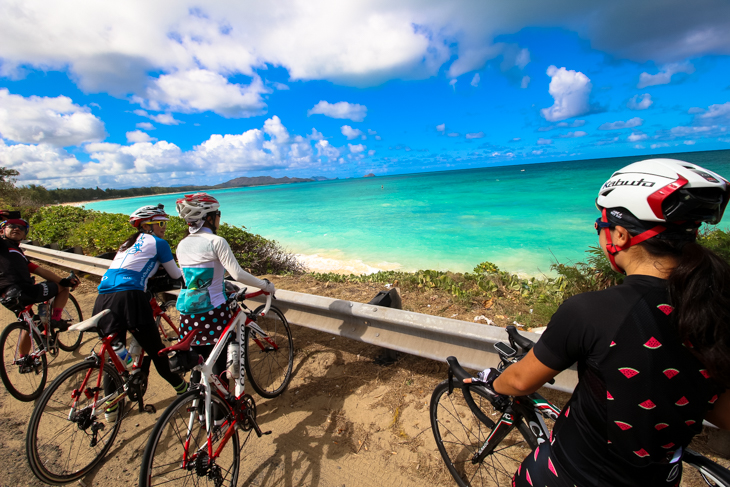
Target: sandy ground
(343,421)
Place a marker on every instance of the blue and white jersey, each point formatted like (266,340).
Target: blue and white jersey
(131,269)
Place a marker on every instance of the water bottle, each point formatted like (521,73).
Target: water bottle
(232,364)
(123,354)
(135,350)
(43,312)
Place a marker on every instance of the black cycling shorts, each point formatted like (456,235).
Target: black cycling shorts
(38,293)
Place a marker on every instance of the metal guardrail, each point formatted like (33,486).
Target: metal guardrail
(413,333)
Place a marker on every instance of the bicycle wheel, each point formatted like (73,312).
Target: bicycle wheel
(268,367)
(179,435)
(459,434)
(171,311)
(710,472)
(63,443)
(24,376)
(69,341)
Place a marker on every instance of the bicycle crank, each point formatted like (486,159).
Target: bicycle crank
(246,415)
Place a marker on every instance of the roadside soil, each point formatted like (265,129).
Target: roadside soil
(343,421)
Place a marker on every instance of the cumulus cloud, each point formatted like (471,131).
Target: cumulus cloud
(475,80)
(571,135)
(351,133)
(475,135)
(371,152)
(637,136)
(542,141)
(634,122)
(44,120)
(145,126)
(664,76)
(200,90)
(453,134)
(717,112)
(341,109)
(138,136)
(571,90)
(525,82)
(561,125)
(356,148)
(640,102)
(163,118)
(452,83)
(441,128)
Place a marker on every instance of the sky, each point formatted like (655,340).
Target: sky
(165,93)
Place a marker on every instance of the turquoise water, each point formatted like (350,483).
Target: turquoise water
(520,217)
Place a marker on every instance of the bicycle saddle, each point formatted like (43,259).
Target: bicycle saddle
(92,322)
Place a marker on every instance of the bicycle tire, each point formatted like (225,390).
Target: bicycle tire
(269,370)
(59,450)
(459,434)
(171,311)
(24,385)
(68,341)
(712,473)
(163,456)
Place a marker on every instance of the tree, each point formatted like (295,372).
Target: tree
(8,192)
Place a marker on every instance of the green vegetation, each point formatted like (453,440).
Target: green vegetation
(98,232)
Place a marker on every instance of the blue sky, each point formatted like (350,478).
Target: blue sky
(176,92)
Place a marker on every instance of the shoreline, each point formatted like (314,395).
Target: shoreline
(82,203)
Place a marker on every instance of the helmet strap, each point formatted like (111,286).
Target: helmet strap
(613,249)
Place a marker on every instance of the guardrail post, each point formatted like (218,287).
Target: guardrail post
(388,299)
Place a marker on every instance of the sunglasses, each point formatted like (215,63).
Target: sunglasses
(162,224)
(600,225)
(13,226)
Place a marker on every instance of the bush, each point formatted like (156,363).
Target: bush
(98,232)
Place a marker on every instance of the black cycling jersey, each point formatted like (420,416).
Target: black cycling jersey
(13,266)
(642,394)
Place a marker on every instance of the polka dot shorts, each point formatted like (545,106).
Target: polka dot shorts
(209,325)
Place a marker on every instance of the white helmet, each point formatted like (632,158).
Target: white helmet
(148,214)
(666,190)
(194,207)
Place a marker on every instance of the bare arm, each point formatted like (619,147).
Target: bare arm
(524,377)
(720,414)
(46,274)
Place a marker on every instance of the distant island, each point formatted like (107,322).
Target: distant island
(370,175)
(72,195)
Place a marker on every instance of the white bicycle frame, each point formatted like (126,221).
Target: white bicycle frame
(237,325)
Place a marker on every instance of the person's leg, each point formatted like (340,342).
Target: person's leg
(150,341)
(60,302)
(539,469)
(111,413)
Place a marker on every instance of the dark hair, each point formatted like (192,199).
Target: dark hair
(699,290)
(130,241)
(206,224)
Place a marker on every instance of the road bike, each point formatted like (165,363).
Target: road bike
(483,444)
(24,374)
(68,433)
(165,312)
(196,440)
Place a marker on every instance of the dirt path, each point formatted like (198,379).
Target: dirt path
(343,420)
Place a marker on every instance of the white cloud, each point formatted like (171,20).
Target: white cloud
(538,152)
(525,82)
(659,145)
(357,148)
(717,111)
(542,141)
(44,120)
(640,102)
(453,134)
(200,90)
(571,90)
(138,136)
(664,76)
(145,126)
(689,142)
(696,110)
(631,123)
(279,86)
(341,109)
(475,135)
(452,83)
(163,118)
(637,136)
(372,132)
(371,152)
(516,139)
(350,132)
(326,150)
(475,80)
(441,127)
(571,135)
(377,137)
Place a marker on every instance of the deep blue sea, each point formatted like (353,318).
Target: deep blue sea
(521,217)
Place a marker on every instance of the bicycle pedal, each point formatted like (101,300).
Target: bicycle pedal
(266,432)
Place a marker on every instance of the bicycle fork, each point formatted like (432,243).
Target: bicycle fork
(501,429)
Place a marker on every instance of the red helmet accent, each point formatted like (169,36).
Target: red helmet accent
(656,199)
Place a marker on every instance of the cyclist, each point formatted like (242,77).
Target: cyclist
(204,258)
(18,288)
(123,291)
(653,353)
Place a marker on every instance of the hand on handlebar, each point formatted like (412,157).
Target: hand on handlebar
(71,281)
(269,288)
(486,378)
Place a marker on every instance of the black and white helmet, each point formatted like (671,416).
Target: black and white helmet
(666,190)
(194,207)
(148,214)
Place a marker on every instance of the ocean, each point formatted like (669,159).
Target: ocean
(521,217)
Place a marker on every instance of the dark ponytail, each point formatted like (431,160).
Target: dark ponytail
(699,290)
(130,241)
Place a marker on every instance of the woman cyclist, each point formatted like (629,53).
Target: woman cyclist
(204,258)
(653,353)
(123,291)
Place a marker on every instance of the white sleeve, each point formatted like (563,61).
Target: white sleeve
(226,257)
(172,269)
